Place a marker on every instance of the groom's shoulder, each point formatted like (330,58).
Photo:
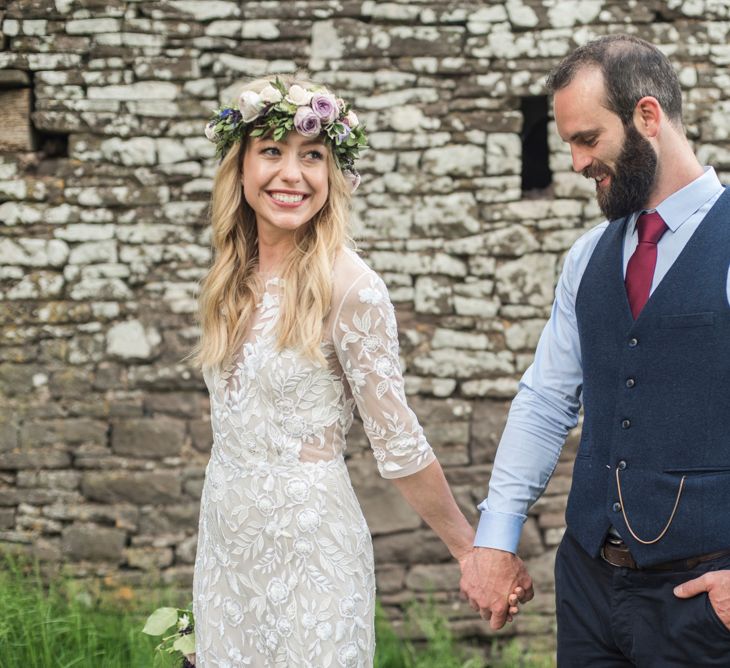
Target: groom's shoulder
(587,241)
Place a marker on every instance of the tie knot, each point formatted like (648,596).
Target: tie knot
(650,227)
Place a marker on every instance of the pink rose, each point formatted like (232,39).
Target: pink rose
(307,123)
(325,106)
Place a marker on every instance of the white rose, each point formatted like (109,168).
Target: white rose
(370,343)
(347,607)
(232,611)
(277,591)
(250,104)
(284,627)
(303,547)
(347,655)
(352,119)
(265,505)
(270,95)
(297,490)
(210,131)
(383,367)
(309,520)
(370,296)
(299,96)
(295,426)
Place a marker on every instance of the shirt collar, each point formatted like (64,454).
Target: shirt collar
(680,205)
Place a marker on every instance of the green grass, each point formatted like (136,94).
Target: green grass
(439,651)
(61,626)
(68,625)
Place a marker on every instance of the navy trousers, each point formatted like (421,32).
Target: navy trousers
(610,617)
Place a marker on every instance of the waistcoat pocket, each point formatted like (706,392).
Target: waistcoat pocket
(699,470)
(704,319)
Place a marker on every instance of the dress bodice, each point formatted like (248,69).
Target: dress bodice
(278,407)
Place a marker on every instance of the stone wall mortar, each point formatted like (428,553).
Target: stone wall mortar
(104,428)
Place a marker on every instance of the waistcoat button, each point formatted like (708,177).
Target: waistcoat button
(625,424)
(630,382)
(616,507)
(633,342)
(621,465)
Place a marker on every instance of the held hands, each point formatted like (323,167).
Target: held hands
(717,586)
(495,582)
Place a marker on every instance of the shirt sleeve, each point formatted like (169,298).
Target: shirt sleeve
(543,412)
(365,337)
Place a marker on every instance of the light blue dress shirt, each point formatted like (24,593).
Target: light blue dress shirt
(549,398)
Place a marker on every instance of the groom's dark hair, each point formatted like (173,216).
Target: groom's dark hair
(632,68)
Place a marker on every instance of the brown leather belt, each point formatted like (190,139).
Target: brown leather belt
(617,553)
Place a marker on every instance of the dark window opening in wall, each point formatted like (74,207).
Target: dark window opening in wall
(52,144)
(536,174)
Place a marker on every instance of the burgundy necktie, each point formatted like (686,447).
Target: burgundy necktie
(640,270)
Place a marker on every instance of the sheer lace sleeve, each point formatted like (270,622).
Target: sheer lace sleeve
(365,336)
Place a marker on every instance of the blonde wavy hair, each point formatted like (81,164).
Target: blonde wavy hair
(231,287)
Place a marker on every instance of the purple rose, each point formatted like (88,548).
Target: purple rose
(307,123)
(325,106)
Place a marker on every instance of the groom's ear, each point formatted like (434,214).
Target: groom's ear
(648,116)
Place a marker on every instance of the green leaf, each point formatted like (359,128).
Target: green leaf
(257,132)
(279,85)
(185,644)
(159,621)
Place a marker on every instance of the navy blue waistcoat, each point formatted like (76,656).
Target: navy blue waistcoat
(656,393)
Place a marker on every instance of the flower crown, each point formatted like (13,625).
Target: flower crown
(276,110)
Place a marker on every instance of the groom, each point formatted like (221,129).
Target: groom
(640,334)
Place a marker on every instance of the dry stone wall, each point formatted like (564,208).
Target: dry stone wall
(104,180)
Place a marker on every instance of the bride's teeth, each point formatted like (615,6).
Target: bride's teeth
(287,199)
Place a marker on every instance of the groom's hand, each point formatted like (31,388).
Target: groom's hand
(717,586)
(491,580)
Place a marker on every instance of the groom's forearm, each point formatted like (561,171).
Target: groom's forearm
(526,458)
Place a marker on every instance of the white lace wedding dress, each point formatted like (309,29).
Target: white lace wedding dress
(284,568)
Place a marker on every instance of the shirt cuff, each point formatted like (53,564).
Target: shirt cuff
(500,531)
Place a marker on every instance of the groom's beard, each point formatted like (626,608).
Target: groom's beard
(631,181)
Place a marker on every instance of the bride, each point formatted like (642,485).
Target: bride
(297,331)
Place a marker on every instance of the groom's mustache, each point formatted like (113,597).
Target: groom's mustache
(596,169)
